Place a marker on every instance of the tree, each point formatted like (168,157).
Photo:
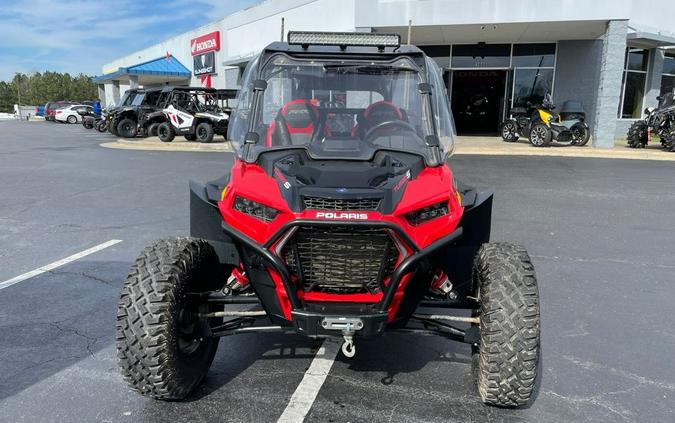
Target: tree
(39,88)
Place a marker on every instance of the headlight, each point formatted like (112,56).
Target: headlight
(257,210)
(425,214)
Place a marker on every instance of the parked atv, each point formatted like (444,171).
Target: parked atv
(127,118)
(111,116)
(659,121)
(344,234)
(193,113)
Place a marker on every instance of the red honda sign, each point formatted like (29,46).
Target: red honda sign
(205,43)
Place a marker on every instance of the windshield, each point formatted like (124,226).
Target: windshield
(339,109)
(138,100)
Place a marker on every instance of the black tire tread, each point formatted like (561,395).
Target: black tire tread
(636,135)
(209,132)
(508,352)
(147,313)
(171,133)
(131,133)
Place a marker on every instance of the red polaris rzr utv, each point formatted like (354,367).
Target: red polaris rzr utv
(340,218)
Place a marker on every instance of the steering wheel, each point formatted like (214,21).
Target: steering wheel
(400,123)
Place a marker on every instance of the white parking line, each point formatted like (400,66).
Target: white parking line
(306,392)
(54,265)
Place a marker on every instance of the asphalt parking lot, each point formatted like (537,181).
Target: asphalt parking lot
(600,231)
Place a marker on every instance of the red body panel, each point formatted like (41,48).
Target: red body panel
(431,186)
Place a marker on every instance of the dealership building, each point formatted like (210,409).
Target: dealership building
(612,55)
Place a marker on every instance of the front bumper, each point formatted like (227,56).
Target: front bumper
(278,292)
(314,324)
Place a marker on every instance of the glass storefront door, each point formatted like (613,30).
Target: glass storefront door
(530,86)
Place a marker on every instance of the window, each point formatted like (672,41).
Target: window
(633,84)
(668,76)
(481,55)
(440,54)
(533,55)
(531,85)
(532,74)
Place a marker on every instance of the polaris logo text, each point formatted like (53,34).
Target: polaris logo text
(342,216)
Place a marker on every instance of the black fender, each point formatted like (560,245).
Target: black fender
(476,224)
(206,221)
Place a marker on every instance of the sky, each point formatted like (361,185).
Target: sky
(79,36)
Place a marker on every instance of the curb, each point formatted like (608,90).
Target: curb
(642,154)
(154,144)
(463,149)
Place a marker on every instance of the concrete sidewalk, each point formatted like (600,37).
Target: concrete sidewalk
(464,145)
(494,146)
(178,144)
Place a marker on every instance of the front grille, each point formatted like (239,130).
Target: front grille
(341,259)
(323,203)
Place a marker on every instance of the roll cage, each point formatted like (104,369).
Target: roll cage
(437,129)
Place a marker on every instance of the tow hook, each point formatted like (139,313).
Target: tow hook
(348,347)
(348,326)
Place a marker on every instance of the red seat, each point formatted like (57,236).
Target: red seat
(376,113)
(299,117)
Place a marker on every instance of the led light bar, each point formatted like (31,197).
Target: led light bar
(368,39)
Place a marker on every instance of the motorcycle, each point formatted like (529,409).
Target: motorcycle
(545,125)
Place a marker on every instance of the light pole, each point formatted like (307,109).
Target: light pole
(18,93)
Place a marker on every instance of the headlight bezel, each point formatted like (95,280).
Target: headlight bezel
(428,213)
(254,209)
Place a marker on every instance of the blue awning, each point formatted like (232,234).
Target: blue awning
(168,67)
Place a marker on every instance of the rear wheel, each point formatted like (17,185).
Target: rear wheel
(127,128)
(101,126)
(637,134)
(152,129)
(506,357)
(71,119)
(164,348)
(580,134)
(112,127)
(165,132)
(509,131)
(204,132)
(540,135)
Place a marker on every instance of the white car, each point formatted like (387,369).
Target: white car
(69,113)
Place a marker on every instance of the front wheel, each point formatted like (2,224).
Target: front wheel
(581,133)
(509,131)
(204,132)
(540,135)
(637,135)
(127,128)
(165,132)
(71,119)
(506,358)
(164,347)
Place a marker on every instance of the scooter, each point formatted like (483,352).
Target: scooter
(89,118)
